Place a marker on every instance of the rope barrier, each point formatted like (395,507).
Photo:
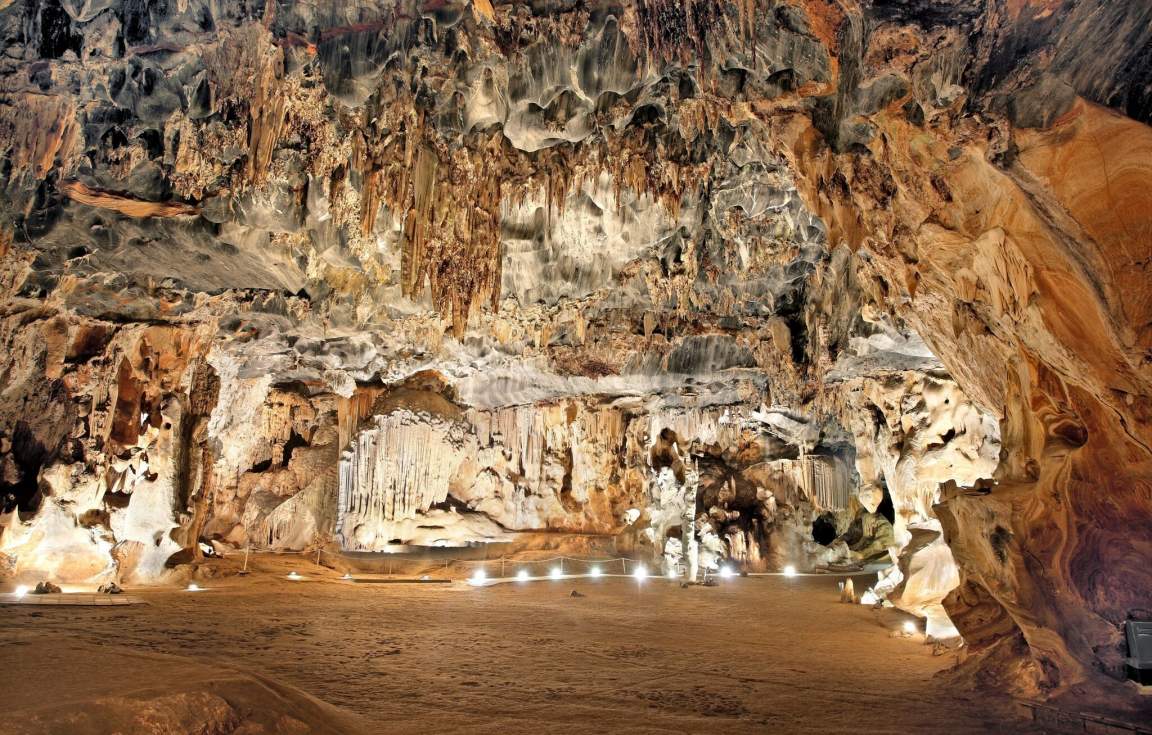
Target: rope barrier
(391,558)
(504,561)
(453,560)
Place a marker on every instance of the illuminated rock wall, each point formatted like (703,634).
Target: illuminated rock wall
(394,473)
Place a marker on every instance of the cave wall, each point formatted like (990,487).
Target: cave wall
(423,471)
(1015,243)
(103,425)
(913,433)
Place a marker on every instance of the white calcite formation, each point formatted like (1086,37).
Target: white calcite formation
(913,432)
(394,472)
(115,515)
(411,477)
(825,483)
(54,544)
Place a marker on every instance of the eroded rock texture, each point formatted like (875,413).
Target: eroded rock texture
(280,275)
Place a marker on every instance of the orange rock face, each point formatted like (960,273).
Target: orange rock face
(1029,278)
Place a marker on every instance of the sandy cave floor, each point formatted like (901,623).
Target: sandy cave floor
(753,655)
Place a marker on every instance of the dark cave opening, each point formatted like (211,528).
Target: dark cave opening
(56,34)
(20,470)
(295,441)
(824,529)
(886,508)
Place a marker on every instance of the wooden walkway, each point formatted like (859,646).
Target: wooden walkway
(70,598)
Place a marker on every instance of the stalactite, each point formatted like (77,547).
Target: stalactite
(395,470)
(351,411)
(823,482)
(448,196)
(40,132)
(677,29)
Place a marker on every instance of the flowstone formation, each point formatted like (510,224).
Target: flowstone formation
(764,282)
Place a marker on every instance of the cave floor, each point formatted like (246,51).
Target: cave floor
(752,655)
